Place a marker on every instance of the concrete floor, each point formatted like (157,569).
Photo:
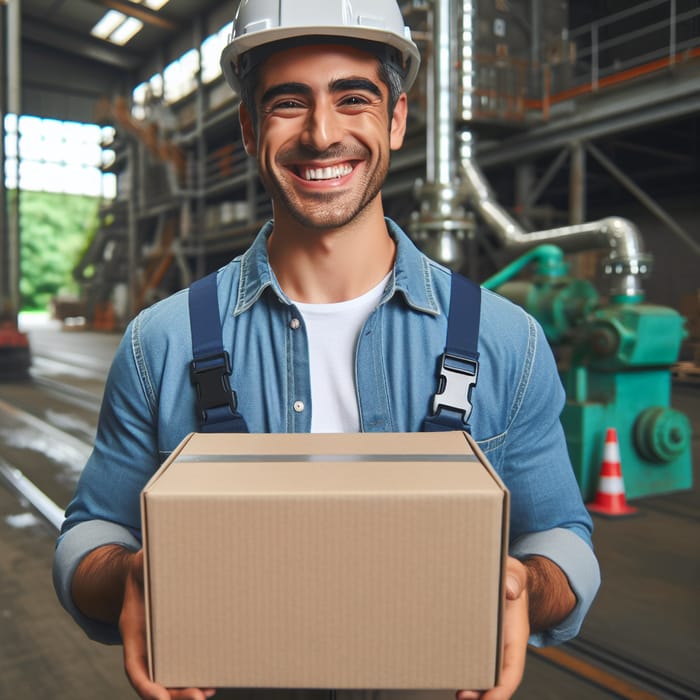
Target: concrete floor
(646,613)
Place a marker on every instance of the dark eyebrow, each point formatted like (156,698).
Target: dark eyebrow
(284,89)
(340,85)
(349,84)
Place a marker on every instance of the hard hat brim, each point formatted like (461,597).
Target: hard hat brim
(253,40)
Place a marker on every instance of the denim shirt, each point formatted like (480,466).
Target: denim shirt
(149,407)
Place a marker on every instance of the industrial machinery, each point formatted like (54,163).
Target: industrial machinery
(615,352)
(615,361)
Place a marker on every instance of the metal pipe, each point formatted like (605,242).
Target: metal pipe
(453,181)
(552,254)
(441,224)
(441,145)
(14,104)
(643,197)
(3,192)
(468,55)
(626,265)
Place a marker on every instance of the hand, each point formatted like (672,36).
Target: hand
(132,625)
(516,631)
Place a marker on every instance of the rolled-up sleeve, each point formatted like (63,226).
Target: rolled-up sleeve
(106,506)
(548,517)
(576,559)
(71,548)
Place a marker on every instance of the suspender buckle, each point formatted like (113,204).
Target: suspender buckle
(210,376)
(458,375)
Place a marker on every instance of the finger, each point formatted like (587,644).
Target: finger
(516,578)
(513,587)
(135,666)
(468,695)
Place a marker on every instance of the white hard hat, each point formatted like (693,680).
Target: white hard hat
(261,22)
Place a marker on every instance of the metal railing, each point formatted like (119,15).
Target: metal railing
(652,36)
(639,36)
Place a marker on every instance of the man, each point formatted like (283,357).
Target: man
(334,322)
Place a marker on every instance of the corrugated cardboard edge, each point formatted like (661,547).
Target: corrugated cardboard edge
(144,533)
(504,546)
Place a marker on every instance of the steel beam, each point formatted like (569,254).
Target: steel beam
(604,116)
(577,184)
(79,45)
(140,12)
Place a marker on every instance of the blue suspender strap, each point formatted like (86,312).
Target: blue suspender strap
(459,364)
(211,367)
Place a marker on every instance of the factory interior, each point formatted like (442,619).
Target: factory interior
(552,155)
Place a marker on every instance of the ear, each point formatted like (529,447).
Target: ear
(398,123)
(250,141)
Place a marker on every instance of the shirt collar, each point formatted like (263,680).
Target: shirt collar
(411,276)
(256,273)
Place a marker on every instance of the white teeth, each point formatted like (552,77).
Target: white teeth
(328,173)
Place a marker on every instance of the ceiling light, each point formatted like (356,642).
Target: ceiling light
(155,4)
(126,30)
(108,24)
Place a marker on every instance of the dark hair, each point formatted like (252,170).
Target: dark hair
(389,72)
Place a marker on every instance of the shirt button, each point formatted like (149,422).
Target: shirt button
(295,324)
(298,406)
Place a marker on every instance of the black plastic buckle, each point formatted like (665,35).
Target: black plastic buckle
(458,375)
(210,376)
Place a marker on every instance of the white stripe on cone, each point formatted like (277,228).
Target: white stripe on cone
(611,484)
(612,452)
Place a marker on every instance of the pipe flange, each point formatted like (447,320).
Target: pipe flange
(638,266)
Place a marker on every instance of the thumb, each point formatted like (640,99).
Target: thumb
(513,587)
(516,579)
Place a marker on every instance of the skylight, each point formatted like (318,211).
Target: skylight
(125,31)
(111,20)
(154,5)
(118,27)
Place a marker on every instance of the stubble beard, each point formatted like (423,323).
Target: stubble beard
(326,210)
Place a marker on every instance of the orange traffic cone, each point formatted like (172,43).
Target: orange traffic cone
(610,498)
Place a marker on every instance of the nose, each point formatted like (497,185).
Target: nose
(322,128)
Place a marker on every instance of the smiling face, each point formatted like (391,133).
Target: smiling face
(323,134)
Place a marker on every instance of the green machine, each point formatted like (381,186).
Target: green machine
(614,362)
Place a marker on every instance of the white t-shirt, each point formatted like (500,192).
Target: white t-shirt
(332,331)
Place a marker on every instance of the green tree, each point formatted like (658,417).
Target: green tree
(54,229)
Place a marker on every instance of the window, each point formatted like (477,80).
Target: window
(211,53)
(179,78)
(56,156)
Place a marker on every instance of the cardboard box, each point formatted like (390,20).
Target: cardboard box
(368,561)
